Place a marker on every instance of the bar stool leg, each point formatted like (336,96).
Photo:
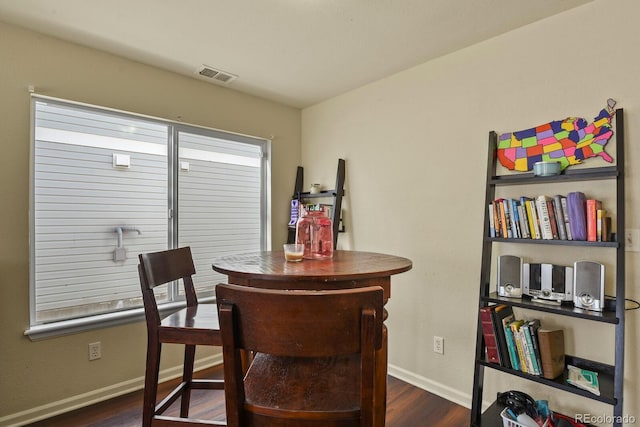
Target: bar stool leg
(151,382)
(187,376)
(380,398)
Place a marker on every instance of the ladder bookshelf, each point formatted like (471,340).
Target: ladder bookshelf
(611,376)
(335,195)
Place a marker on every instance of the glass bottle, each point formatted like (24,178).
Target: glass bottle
(315,231)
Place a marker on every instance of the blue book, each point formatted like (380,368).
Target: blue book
(511,346)
(492,224)
(515,219)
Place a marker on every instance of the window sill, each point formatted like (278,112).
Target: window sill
(74,326)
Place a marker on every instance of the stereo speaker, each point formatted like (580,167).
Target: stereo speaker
(588,282)
(509,276)
(548,282)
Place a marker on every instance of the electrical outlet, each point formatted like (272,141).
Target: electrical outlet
(95,350)
(632,240)
(438,345)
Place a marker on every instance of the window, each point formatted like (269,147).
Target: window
(109,185)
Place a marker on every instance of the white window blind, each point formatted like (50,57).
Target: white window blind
(219,201)
(95,170)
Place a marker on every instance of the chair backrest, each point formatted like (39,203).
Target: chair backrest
(300,324)
(158,268)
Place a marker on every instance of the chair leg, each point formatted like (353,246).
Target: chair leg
(187,376)
(151,381)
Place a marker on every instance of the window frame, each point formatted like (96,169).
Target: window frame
(39,330)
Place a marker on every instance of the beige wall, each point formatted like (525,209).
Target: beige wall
(415,145)
(55,372)
(415,149)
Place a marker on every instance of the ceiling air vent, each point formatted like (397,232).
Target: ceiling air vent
(214,74)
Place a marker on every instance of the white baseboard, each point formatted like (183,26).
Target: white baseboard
(79,401)
(446,392)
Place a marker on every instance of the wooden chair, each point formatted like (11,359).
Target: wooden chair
(191,326)
(314,362)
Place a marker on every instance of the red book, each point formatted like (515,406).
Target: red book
(592,219)
(552,219)
(488,330)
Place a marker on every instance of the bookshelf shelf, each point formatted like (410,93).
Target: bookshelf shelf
(554,242)
(320,195)
(563,310)
(605,377)
(610,377)
(590,174)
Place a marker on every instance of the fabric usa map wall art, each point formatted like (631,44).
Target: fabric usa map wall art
(568,141)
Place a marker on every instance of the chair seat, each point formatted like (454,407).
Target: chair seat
(304,384)
(192,325)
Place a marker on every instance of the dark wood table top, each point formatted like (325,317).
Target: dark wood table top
(345,265)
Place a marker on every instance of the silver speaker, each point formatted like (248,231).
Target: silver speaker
(588,282)
(509,276)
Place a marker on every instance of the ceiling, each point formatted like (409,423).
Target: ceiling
(296,52)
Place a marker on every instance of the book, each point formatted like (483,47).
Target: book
(591,213)
(502,316)
(488,331)
(492,225)
(551,352)
(606,229)
(560,224)
(584,379)
(295,210)
(527,332)
(496,219)
(601,214)
(552,219)
(533,219)
(534,326)
(543,217)
(524,222)
(563,202)
(502,218)
(508,233)
(576,205)
(515,219)
(524,201)
(526,361)
(515,327)
(511,346)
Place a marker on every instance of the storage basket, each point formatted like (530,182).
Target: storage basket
(508,422)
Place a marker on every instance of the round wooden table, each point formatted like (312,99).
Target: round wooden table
(347,269)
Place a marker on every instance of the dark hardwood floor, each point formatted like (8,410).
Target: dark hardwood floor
(407,406)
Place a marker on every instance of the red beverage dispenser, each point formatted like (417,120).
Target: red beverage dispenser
(315,231)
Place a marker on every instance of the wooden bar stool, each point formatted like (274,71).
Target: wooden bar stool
(314,356)
(193,325)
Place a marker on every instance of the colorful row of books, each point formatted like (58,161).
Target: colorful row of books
(522,345)
(570,217)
